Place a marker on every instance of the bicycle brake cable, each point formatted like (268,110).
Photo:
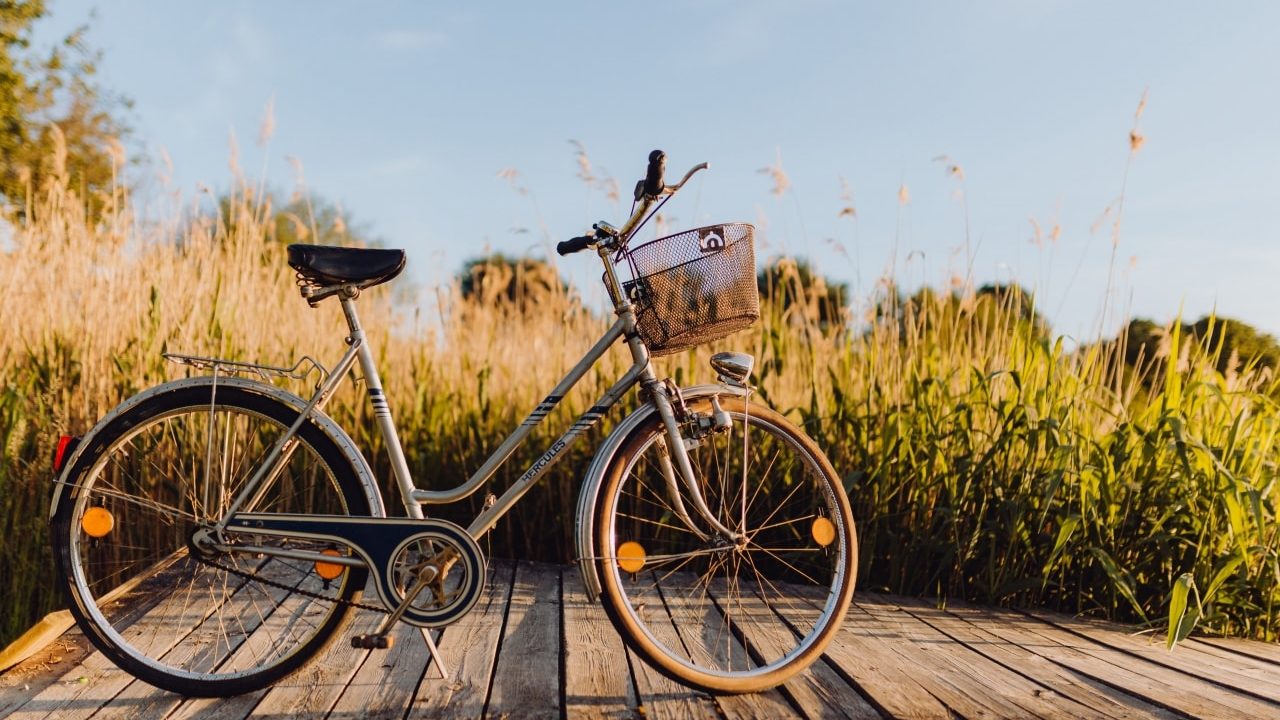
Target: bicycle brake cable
(622,248)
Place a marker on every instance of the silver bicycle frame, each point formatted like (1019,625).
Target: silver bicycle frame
(641,371)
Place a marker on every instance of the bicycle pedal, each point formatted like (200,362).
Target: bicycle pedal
(372,642)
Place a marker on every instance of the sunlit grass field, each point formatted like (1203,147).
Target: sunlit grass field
(984,459)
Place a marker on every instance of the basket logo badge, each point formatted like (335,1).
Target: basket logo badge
(711,239)
(637,291)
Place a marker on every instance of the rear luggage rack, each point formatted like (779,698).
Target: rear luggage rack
(301,370)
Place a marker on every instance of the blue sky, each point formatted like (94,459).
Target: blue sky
(406,113)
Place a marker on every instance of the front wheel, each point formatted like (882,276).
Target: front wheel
(145,589)
(732,613)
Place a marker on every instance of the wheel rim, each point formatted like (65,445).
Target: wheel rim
(184,617)
(730,608)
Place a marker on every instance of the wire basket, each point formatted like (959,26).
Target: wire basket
(694,287)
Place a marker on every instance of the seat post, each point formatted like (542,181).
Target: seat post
(348,294)
(381,410)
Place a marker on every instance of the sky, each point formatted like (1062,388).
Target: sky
(411,115)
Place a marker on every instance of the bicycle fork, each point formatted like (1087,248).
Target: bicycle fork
(673,461)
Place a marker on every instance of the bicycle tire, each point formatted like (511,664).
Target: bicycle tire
(727,620)
(183,624)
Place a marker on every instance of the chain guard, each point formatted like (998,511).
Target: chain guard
(393,549)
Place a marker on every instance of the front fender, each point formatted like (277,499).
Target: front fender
(589,495)
(326,424)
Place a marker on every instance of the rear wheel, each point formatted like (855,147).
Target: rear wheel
(142,583)
(729,614)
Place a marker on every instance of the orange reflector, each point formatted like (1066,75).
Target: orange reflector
(823,531)
(329,571)
(630,556)
(97,521)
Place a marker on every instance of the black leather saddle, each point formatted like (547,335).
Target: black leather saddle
(326,265)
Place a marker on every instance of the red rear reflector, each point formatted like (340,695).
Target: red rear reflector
(66,446)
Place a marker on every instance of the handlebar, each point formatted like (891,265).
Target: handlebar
(648,191)
(578,244)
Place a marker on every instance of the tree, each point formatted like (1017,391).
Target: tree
(524,282)
(56,122)
(1224,338)
(1142,341)
(789,281)
(309,218)
(990,310)
(1014,301)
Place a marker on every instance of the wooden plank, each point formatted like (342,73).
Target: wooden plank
(1153,683)
(21,683)
(819,691)
(705,632)
(1255,649)
(908,657)
(239,706)
(203,648)
(385,684)
(128,602)
(36,637)
(701,629)
(1244,675)
(312,691)
(969,683)
(79,693)
(664,699)
(865,657)
(660,696)
(526,681)
(986,639)
(96,681)
(290,611)
(597,675)
(468,646)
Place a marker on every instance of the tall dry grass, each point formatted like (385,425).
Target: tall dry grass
(984,460)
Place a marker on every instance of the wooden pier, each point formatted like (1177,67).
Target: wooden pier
(535,647)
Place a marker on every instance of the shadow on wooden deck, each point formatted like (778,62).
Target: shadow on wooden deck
(535,647)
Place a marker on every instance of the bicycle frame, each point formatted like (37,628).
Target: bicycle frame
(415,498)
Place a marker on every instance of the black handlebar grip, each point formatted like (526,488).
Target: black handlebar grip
(653,183)
(578,244)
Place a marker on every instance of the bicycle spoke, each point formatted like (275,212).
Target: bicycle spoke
(227,610)
(778,508)
(807,518)
(726,604)
(760,486)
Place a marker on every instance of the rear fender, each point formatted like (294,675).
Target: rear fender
(326,424)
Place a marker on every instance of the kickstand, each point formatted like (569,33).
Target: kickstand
(382,638)
(435,654)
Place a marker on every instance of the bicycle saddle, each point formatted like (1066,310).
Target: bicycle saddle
(327,265)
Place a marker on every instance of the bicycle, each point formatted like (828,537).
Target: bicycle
(214,533)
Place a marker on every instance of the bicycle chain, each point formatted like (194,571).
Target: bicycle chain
(307,593)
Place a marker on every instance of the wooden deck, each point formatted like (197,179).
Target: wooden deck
(534,647)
